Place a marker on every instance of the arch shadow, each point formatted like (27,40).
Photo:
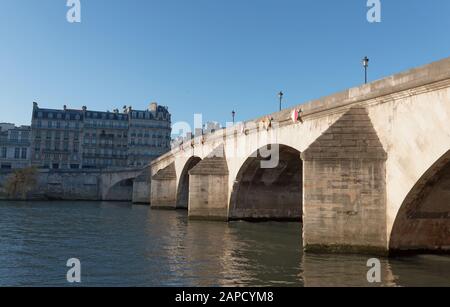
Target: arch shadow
(273,193)
(183,185)
(120,191)
(422,224)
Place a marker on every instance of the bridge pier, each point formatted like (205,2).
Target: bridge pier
(345,188)
(208,188)
(141,189)
(164,188)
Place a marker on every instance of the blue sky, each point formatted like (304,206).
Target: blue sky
(205,56)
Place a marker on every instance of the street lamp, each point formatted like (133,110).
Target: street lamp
(280,95)
(365,63)
(233,114)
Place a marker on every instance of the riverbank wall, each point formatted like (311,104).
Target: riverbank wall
(82,185)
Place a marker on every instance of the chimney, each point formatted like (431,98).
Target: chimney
(65,108)
(153,107)
(84,108)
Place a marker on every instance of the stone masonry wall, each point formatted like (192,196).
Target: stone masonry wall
(58,185)
(208,188)
(164,188)
(344,188)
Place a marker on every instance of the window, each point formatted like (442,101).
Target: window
(39,124)
(14,135)
(4,152)
(24,153)
(25,135)
(50,124)
(17,153)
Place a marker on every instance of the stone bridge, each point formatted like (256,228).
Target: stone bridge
(367,169)
(125,184)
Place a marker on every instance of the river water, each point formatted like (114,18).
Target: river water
(119,244)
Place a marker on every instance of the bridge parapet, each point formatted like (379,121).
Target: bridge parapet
(413,82)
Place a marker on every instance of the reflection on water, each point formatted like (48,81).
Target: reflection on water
(124,245)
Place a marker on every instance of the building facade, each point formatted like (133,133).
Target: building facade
(14,146)
(149,134)
(74,139)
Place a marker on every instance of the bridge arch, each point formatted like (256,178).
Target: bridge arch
(183,184)
(423,221)
(270,191)
(120,191)
(117,185)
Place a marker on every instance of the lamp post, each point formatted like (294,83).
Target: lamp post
(280,95)
(233,114)
(365,63)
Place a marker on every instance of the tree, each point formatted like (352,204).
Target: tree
(20,182)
